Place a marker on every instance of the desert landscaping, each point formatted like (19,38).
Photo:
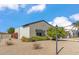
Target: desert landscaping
(48,47)
(39,38)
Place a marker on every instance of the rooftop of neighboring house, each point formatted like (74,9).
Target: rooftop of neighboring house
(70,27)
(4,33)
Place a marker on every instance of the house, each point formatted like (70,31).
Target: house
(38,28)
(73,31)
(4,35)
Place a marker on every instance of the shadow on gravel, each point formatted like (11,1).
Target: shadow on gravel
(61,40)
(60,50)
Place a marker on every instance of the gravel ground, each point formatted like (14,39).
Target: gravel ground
(48,48)
(70,48)
(26,48)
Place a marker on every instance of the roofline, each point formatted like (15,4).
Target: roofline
(3,33)
(36,22)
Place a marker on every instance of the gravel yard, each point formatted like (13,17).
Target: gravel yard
(26,48)
(48,48)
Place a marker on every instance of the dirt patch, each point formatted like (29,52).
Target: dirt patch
(48,48)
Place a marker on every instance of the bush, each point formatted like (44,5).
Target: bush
(9,43)
(24,39)
(56,31)
(39,38)
(36,46)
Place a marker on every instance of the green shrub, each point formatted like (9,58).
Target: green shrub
(39,38)
(24,39)
(56,31)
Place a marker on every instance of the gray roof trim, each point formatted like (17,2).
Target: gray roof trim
(36,22)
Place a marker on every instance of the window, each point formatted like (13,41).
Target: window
(40,33)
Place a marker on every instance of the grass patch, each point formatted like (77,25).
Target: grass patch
(39,38)
(24,39)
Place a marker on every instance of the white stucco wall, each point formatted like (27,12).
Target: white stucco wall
(72,30)
(30,31)
(23,32)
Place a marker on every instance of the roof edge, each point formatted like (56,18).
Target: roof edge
(36,22)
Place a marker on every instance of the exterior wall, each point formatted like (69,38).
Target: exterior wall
(73,31)
(41,25)
(23,31)
(5,36)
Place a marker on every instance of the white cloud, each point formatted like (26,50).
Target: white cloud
(61,21)
(36,8)
(50,22)
(10,6)
(75,17)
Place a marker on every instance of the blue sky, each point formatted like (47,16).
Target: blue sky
(56,14)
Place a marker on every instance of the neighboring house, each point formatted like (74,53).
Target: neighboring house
(4,35)
(38,28)
(73,31)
